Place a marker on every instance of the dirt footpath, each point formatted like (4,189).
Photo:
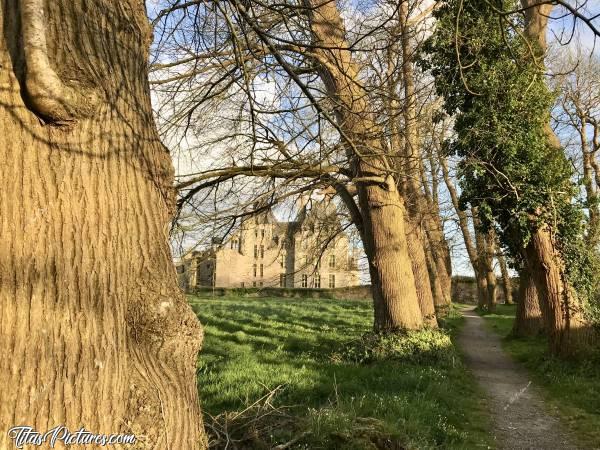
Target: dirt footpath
(521,419)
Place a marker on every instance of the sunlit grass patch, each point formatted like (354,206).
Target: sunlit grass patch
(411,391)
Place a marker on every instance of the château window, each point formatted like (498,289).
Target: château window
(282,260)
(317,281)
(254,284)
(332,261)
(242,284)
(282,280)
(262,270)
(262,251)
(254,268)
(331,281)
(304,281)
(255,251)
(262,233)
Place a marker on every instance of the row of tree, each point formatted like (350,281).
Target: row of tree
(372,108)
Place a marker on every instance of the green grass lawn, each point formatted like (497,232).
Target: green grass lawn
(276,370)
(571,387)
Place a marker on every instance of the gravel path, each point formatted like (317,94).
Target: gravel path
(521,419)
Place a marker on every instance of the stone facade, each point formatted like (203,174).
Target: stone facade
(264,252)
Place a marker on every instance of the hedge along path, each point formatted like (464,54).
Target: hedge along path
(520,417)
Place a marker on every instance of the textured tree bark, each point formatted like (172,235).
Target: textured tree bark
(563,317)
(382,207)
(416,252)
(486,277)
(528,321)
(441,258)
(395,298)
(94,331)
(436,287)
(490,275)
(440,250)
(506,280)
(482,289)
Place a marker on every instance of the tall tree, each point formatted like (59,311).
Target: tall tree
(94,331)
(411,166)
(405,143)
(383,212)
(560,307)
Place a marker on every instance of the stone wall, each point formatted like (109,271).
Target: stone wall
(464,290)
(345,293)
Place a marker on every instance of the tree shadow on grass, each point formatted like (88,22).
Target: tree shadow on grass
(251,349)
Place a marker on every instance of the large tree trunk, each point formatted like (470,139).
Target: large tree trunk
(439,296)
(482,289)
(492,282)
(563,319)
(440,249)
(94,331)
(528,321)
(506,280)
(394,293)
(382,207)
(441,257)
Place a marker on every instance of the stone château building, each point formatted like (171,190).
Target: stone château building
(310,252)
